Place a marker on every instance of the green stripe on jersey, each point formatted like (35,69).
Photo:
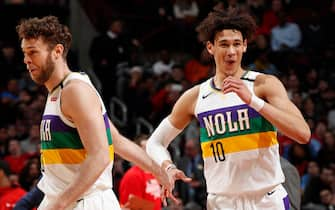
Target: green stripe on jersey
(68,140)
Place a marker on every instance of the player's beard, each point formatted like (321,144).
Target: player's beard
(46,70)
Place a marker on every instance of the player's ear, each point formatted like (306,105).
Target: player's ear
(209,47)
(58,50)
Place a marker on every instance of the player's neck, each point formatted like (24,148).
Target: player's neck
(57,76)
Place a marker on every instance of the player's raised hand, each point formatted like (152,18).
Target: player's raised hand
(231,84)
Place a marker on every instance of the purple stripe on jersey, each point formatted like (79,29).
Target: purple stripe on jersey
(251,112)
(106,120)
(57,124)
(286,203)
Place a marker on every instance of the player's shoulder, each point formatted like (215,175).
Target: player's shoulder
(76,82)
(77,90)
(192,93)
(266,80)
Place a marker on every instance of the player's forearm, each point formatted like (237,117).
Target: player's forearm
(292,125)
(159,141)
(133,153)
(89,172)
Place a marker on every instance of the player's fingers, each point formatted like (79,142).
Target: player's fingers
(174,199)
(183,177)
(164,196)
(230,89)
(230,84)
(186,179)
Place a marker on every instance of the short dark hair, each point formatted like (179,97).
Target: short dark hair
(49,29)
(4,166)
(220,19)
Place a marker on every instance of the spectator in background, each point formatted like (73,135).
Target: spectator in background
(317,138)
(311,82)
(327,199)
(308,108)
(292,85)
(11,93)
(30,173)
(193,166)
(31,144)
(326,154)
(107,51)
(9,194)
(313,32)
(257,9)
(313,170)
(186,14)
(260,45)
(316,184)
(270,18)
(186,10)
(15,158)
(137,182)
(164,99)
(164,63)
(10,62)
(259,57)
(299,155)
(177,74)
(286,35)
(263,64)
(197,69)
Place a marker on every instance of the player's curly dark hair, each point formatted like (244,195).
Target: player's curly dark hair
(219,19)
(49,29)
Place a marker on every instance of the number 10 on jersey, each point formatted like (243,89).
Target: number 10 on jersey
(218,152)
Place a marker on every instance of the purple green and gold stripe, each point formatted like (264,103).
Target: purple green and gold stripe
(67,156)
(257,123)
(66,137)
(241,143)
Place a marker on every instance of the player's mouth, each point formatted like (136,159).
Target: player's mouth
(230,62)
(32,70)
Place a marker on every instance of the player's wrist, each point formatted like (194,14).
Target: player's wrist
(169,167)
(256,103)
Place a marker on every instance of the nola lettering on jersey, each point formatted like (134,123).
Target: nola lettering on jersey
(45,130)
(222,122)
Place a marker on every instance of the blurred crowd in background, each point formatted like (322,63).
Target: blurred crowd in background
(146,54)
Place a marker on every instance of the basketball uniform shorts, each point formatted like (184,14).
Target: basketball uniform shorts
(276,199)
(99,200)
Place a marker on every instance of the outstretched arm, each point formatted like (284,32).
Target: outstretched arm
(135,154)
(168,129)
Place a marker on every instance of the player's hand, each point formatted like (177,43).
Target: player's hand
(231,84)
(163,178)
(165,193)
(173,175)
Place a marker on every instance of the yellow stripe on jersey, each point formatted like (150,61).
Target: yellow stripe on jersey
(67,156)
(241,143)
